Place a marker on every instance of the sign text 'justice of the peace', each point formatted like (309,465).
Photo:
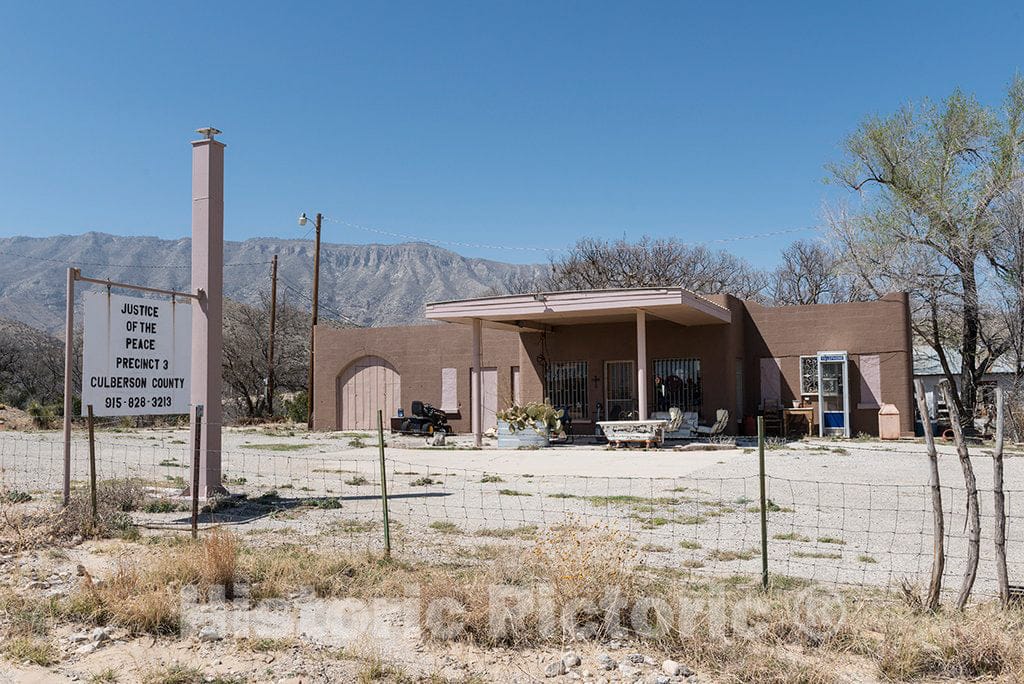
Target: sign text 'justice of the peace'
(135,356)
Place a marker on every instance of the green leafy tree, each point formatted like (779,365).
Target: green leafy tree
(931,178)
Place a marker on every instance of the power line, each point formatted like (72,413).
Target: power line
(447,243)
(103,265)
(296,289)
(529,248)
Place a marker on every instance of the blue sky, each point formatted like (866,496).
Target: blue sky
(523,124)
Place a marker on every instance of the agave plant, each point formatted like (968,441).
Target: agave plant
(537,415)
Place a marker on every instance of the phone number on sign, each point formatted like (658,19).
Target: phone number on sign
(137,402)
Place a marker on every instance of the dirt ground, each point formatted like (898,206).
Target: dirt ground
(843,514)
(846,513)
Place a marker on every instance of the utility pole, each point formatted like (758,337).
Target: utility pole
(270,345)
(312,327)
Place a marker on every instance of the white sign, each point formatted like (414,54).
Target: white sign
(136,356)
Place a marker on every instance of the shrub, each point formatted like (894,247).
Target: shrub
(297,408)
(520,417)
(114,500)
(43,417)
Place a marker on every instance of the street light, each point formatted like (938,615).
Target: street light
(316,306)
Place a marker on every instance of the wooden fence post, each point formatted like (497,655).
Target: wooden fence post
(971,487)
(938,521)
(999,497)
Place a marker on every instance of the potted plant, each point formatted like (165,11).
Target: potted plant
(528,425)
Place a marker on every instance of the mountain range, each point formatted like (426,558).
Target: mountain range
(369,285)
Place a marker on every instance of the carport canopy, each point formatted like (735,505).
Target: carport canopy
(545,311)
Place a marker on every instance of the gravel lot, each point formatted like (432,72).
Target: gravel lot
(847,512)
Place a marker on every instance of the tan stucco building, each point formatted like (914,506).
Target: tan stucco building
(610,354)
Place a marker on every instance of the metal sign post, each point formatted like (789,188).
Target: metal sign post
(69,365)
(74,274)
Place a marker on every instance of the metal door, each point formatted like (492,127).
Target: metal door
(620,389)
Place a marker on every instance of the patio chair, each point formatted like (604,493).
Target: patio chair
(722,419)
(675,419)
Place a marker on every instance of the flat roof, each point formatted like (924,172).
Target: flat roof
(543,310)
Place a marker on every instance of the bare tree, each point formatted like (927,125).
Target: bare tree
(245,362)
(596,264)
(810,273)
(932,177)
(31,365)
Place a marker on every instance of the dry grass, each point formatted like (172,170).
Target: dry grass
(276,572)
(575,565)
(26,616)
(265,644)
(726,555)
(376,669)
(522,532)
(26,525)
(176,673)
(115,499)
(445,527)
(730,631)
(142,596)
(25,649)
(983,642)
(107,675)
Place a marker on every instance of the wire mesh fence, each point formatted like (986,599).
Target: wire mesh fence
(327,493)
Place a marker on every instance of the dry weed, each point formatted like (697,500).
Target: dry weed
(284,569)
(35,651)
(984,642)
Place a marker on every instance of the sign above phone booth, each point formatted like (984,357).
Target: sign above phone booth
(834,394)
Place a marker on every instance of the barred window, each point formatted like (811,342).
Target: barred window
(808,375)
(681,385)
(566,387)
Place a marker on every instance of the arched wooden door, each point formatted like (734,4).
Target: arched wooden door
(368,384)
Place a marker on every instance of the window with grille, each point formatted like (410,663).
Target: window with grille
(680,385)
(808,375)
(566,387)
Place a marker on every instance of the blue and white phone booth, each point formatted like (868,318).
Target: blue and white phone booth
(833,394)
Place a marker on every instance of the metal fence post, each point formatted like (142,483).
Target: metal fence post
(197,451)
(383,482)
(764,502)
(92,475)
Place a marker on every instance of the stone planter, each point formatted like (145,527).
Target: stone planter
(528,438)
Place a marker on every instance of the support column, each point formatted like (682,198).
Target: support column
(477,400)
(641,362)
(207,311)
